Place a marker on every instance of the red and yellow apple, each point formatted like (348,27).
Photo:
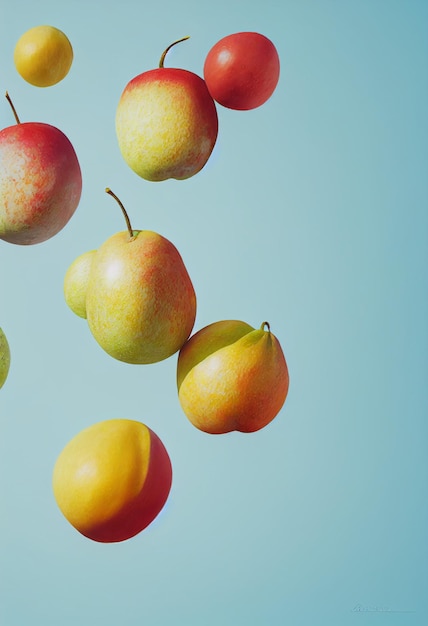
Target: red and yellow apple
(166,123)
(112,479)
(231,376)
(40,182)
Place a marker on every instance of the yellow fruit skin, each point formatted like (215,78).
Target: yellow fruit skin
(166,124)
(4,358)
(76,283)
(140,304)
(112,479)
(232,377)
(43,56)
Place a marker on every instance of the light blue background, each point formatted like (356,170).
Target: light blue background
(311,214)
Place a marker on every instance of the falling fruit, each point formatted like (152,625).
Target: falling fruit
(166,123)
(40,181)
(231,376)
(112,479)
(43,56)
(242,70)
(136,294)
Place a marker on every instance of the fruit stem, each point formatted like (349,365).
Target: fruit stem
(8,98)
(262,327)
(165,52)
(125,214)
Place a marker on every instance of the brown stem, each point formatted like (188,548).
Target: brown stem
(262,327)
(165,52)
(8,98)
(125,214)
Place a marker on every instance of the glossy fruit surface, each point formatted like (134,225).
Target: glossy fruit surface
(112,479)
(231,376)
(43,56)
(242,70)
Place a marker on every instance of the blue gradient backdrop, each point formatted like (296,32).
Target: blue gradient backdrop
(311,214)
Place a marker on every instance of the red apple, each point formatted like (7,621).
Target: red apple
(242,70)
(166,123)
(40,182)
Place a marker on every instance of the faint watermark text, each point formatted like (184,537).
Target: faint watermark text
(374,608)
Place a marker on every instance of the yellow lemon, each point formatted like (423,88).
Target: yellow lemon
(43,56)
(112,479)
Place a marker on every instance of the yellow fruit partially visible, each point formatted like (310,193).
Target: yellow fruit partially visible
(76,283)
(43,56)
(4,358)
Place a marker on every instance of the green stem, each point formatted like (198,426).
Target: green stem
(165,52)
(125,214)
(8,98)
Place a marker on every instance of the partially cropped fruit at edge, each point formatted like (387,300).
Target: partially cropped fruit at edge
(40,182)
(242,70)
(112,479)
(76,283)
(166,123)
(231,376)
(43,56)
(4,358)
(140,301)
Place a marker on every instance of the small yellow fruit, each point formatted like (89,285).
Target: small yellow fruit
(43,56)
